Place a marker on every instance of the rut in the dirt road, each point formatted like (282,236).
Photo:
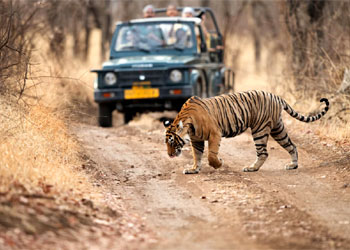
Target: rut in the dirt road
(219,209)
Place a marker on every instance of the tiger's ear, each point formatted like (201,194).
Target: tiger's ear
(181,125)
(167,123)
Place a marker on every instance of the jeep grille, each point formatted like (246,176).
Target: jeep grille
(156,77)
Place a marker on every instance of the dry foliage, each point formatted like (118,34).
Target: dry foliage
(41,169)
(275,76)
(300,52)
(37,151)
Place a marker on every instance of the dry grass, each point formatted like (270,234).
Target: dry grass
(37,152)
(274,76)
(65,83)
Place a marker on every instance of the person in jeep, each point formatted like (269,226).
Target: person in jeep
(188,12)
(182,38)
(150,34)
(148,11)
(171,11)
(131,39)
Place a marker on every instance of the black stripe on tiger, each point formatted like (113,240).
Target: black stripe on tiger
(260,137)
(198,146)
(281,139)
(178,139)
(278,130)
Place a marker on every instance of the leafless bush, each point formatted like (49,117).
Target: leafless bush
(36,149)
(315,52)
(16,33)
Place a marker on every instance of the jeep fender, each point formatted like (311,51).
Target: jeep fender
(228,79)
(196,76)
(217,81)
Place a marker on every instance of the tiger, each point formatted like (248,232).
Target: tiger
(228,115)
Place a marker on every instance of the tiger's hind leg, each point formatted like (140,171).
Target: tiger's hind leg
(213,147)
(260,140)
(197,151)
(279,133)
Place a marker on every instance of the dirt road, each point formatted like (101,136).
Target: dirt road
(307,208)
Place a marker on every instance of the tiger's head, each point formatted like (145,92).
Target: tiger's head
(176,137)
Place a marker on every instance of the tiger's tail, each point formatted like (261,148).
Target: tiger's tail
(302,118)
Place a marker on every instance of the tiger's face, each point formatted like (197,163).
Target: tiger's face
(173,138)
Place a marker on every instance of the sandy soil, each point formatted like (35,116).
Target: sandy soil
(307,208)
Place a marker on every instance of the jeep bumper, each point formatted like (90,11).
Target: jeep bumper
(170,97)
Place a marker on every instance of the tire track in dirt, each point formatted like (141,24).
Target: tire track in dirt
(217,209)
(311,188)
(149,187)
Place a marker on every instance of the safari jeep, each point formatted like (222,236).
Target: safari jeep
(158,63)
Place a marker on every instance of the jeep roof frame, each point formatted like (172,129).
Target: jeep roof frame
(200,10)
(195,20)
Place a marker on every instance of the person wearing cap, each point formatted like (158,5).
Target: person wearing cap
(188,12)
(148,11)
(151,34)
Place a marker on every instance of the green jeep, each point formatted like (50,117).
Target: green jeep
(158,63)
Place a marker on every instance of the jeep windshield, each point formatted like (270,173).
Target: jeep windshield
(155,37)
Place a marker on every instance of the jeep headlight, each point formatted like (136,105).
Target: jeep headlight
(95,84)
(110,78)
(175,75)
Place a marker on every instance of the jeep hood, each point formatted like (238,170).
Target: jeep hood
(149,61)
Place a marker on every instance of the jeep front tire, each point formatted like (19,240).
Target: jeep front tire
(129,115)
(105,115)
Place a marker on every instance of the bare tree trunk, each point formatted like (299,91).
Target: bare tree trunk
(87,37)
(315,12)
(56,31)
(127,10)
(227,17)
(106,33)
(76,33)
(263,28)
(205,3)
(257,15)
(297,24)
(304,23)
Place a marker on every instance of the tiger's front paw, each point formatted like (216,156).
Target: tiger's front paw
(216,163)
(291,166)
(251,168)
(248,169)
(191,171)
(219,165)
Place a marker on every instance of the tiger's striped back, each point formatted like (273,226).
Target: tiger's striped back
(235,113)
